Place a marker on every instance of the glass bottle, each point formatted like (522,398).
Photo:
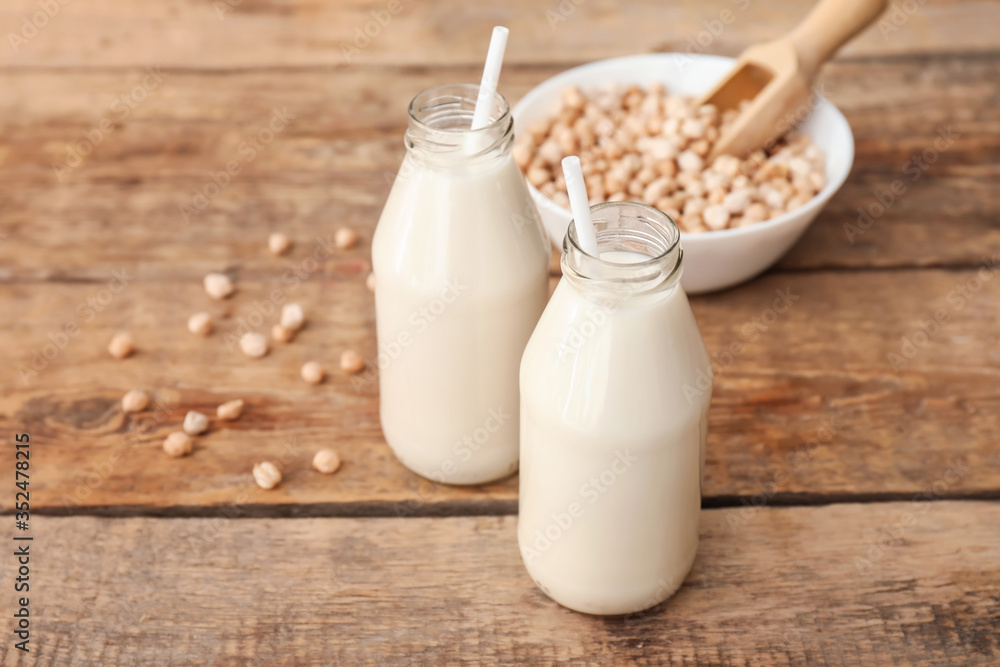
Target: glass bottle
(461,267)
(615,388)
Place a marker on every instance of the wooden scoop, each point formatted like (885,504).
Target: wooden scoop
(777,76)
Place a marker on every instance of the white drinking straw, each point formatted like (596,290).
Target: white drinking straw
(491,76)
(580,205)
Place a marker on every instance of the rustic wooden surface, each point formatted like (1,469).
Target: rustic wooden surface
(791,586)
(853,423)
(812,411)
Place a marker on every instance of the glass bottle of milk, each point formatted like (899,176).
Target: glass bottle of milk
(615,388)
(461,265)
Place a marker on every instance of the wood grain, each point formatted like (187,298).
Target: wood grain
(260,33)
(792,586)
(334,162)
(809,404)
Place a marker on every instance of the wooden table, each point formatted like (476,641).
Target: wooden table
(850,510)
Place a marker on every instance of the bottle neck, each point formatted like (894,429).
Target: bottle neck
(648,236)
(440,131)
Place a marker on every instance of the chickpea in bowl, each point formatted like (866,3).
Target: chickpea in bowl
(639,136)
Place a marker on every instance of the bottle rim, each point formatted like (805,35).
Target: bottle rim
(441,119)
(630,227)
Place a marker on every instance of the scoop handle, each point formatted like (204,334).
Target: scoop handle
(830,25)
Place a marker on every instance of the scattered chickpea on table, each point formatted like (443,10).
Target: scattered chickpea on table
(253,344)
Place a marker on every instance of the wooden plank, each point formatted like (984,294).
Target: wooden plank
(333,164)
(809,404)
(794,586)
(895,108)
(258,33)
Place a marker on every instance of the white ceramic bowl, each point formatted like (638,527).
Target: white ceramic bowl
(712,260)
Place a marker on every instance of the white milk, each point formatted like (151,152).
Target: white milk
(612,439)
(461,269)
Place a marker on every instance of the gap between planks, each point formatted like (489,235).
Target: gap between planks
(872,59)
(471,508)
(774,271)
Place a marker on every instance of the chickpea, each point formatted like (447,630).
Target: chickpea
(645,176)
(278,243)
(667,168)
(817,180)
(694,206)
(282,334)
(655,190)
(253,344)
(135,400)
(737,201)
(200,324)
(614,183)
(700,147)
(523,154)
(292,316)
(177,444)
(266,475)
(672,213)
(351,362)
(326,461)
(712,179)
(690,162)
(573,98)
(696,189)
(550,153)
(230,410)
(755,212)
(537,176)
(716,216)
(195,423)
(692,128)
(218,285)
(312,372)
(121,345)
